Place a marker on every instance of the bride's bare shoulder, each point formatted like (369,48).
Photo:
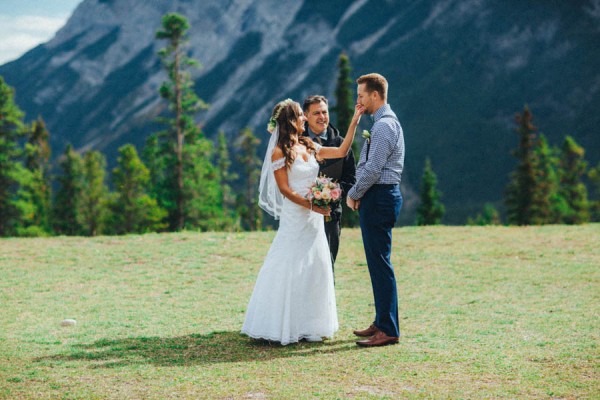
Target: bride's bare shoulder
(277,153)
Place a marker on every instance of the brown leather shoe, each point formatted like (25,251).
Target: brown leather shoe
(370,331)
(378,339)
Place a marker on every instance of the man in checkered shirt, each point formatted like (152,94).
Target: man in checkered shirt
(376,195)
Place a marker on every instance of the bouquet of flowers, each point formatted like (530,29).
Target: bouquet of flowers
(323,192)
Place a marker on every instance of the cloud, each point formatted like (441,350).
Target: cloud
(21,33)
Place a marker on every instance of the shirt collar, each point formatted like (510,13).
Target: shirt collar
(381,111)
(322,136)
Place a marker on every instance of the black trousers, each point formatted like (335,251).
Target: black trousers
(332,231)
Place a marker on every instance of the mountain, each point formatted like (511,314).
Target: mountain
(459,70)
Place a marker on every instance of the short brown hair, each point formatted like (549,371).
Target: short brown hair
(375,83)
(313,100)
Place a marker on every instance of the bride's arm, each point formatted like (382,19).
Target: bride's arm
(281,177)
(339,152)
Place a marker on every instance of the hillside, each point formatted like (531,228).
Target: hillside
(458,70)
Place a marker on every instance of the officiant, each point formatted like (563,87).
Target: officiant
(342,170)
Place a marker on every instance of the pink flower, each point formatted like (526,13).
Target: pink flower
(336,194)
(323,192)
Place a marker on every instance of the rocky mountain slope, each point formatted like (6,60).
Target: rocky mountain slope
(459,70)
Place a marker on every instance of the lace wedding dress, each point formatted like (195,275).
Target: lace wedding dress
(294,296)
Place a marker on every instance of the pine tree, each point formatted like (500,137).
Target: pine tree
(344,107)
(226,178)
(202,191)
(247,203)
(12,173)
(572,169)
(344,110)
(37,161)
(187,186)
(133,210)
(489,216)
(94,194)
(155,156)
(430,211)
(66,206)
(522,185)
(594,176)
(546,200)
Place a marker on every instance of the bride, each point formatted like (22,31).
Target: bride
(294,298)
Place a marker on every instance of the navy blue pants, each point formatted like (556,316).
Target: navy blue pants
(379,209)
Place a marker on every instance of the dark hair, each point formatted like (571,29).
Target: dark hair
(286,113)
(313,100)
(375,83)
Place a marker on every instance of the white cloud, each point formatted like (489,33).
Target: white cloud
(22,33)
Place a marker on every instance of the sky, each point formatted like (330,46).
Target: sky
(26,23)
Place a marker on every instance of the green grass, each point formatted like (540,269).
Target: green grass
(486,312)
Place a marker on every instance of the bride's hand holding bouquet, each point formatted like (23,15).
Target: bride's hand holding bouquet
(322,194)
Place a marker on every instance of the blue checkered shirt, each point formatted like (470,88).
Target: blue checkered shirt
(386,154)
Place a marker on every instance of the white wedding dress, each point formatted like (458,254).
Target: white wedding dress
(294,296)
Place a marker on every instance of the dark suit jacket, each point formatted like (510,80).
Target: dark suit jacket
(342,170)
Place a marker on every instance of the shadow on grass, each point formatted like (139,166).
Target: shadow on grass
(216,347)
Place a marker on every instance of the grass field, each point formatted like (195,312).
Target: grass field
(486,312)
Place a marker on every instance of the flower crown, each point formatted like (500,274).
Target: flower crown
(273,121)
